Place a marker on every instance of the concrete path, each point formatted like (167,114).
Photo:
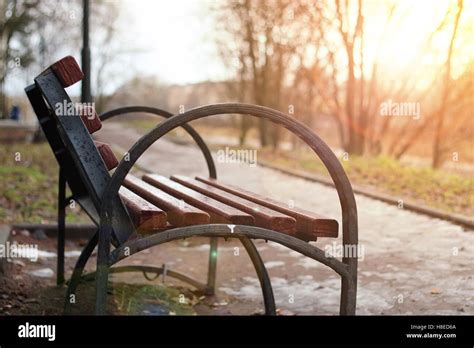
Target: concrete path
(412,264)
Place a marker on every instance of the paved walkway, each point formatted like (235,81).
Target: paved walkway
(412,264)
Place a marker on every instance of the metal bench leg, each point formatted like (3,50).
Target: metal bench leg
(265,284)
(349,289)
(61,227)
(102,269)
(211,274)
(78,269)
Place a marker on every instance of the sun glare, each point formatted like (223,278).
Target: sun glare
(404,46)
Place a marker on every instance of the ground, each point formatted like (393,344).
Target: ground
(411,263)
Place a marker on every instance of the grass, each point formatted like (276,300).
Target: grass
(28,184)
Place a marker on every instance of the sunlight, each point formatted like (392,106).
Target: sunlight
(404,49)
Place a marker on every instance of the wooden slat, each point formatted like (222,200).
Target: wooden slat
(145,216)
(67,71)
(264,217)
(178,211)
(107,155)
(309,225)
(219,212)
(90,118)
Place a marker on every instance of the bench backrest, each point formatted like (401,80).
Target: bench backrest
(69,138)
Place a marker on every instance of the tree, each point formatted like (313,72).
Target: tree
(16,19)
(351,85)
(258,41)
(440,115)
(29,32)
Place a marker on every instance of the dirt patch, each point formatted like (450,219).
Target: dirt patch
(29,288)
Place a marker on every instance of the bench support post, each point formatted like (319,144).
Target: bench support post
(103,269)
(211,273)
(78,269)
(61,227)
(264,279)
(349,289)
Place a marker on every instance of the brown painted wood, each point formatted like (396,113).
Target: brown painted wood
(178,211)
(264,217)
(309,225)
(219,212)
(107,155)
(90,118)
(67,71)
(145,216)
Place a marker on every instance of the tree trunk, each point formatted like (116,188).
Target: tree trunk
(439,121)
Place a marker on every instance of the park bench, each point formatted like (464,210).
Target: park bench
(133,214)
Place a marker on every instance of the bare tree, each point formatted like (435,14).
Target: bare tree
(16,19)
(36,24)
(264,37)
(320,66)
(440,115)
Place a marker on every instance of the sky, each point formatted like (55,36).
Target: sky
(175,39)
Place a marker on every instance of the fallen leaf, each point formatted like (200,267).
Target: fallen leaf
(285,312)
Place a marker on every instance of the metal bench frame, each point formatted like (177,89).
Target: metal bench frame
(114,224)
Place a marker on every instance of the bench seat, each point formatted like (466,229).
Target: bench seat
(157,203)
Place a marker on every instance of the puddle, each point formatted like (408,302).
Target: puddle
(273,264)
(72,253)
(49,254)
(42,272)
(45,254)
(308,263)
(155,309)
